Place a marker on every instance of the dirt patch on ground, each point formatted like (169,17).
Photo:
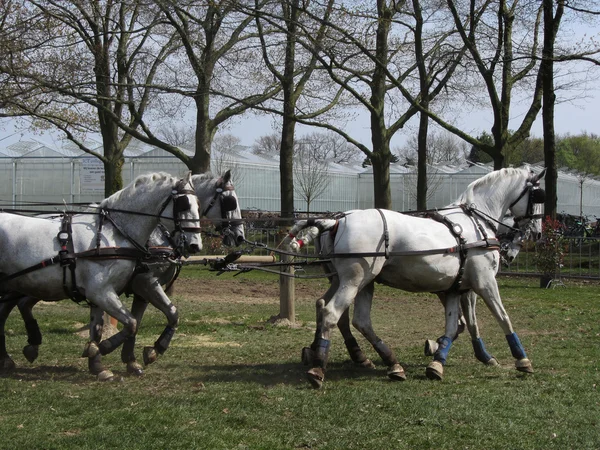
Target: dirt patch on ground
(240,290)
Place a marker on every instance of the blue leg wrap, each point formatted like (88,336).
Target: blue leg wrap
(321,353)
(516,348)
(441,353)
(480,352)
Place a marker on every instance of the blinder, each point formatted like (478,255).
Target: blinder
(182,203)
(537,196)
(228,203)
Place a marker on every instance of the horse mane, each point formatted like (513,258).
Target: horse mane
(204,177)
(486,180)
(139,183)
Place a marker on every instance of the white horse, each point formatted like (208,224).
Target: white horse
(452,254)
(93,255)
(511,240)
(221,207)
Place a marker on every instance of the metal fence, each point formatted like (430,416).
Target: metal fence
(581,260)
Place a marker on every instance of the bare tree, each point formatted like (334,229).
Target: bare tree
(224,156)
(78,71)
(502,59)
(268,145)
(311,172)
(442,148)
(332,147)
(367,55)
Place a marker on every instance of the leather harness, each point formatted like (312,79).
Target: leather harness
(143,256)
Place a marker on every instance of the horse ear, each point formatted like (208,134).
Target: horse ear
(227,177)
(188,177)
(540,175)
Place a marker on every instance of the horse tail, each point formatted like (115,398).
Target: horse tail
(306,231)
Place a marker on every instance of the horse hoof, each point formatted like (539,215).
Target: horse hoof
(366,364)
(134,368)
(150,355)
(316,377)
(524,365)
(7,364)
(30,352)
(90,350)
(396,373)
(430,347)
(492,362)
(307,355)
(435,371)
(106,375)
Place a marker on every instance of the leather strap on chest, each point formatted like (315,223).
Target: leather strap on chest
(67,259)
(456,231)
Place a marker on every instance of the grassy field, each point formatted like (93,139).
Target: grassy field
(231,380)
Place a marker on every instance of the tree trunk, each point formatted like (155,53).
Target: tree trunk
(550,28)
(113,175)
(422,161)
(200,163)
(286,167)
(381,178)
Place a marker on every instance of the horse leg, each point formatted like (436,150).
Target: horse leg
(468,302)
(91,350)
(308,353)
(111,304)
(148,287)
(34,335)
(362,322)
(7,303)
(435,369)
(491,297)
(330,315)
(430,345)
(354,350)
(138,307)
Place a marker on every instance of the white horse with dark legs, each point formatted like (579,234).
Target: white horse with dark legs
(219,204)
(93,255)
(452,252)
(511,240)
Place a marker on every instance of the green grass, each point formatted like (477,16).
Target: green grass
(231,380)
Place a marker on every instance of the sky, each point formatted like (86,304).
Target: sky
(576,116)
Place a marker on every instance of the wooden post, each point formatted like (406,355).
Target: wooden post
(286,291)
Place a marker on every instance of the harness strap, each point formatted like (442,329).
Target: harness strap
(67,259)
(456,231)
(386,234)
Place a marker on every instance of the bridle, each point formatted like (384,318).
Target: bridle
(536,196)
(181,204)
(227,203)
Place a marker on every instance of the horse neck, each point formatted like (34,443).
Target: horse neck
(495,199)
(148,202)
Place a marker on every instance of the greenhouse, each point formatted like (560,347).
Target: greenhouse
(35,171)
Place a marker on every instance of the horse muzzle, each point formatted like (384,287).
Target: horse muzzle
(194,248)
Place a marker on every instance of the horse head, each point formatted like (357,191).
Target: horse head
(528,208)
(186,216)
(222,207)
